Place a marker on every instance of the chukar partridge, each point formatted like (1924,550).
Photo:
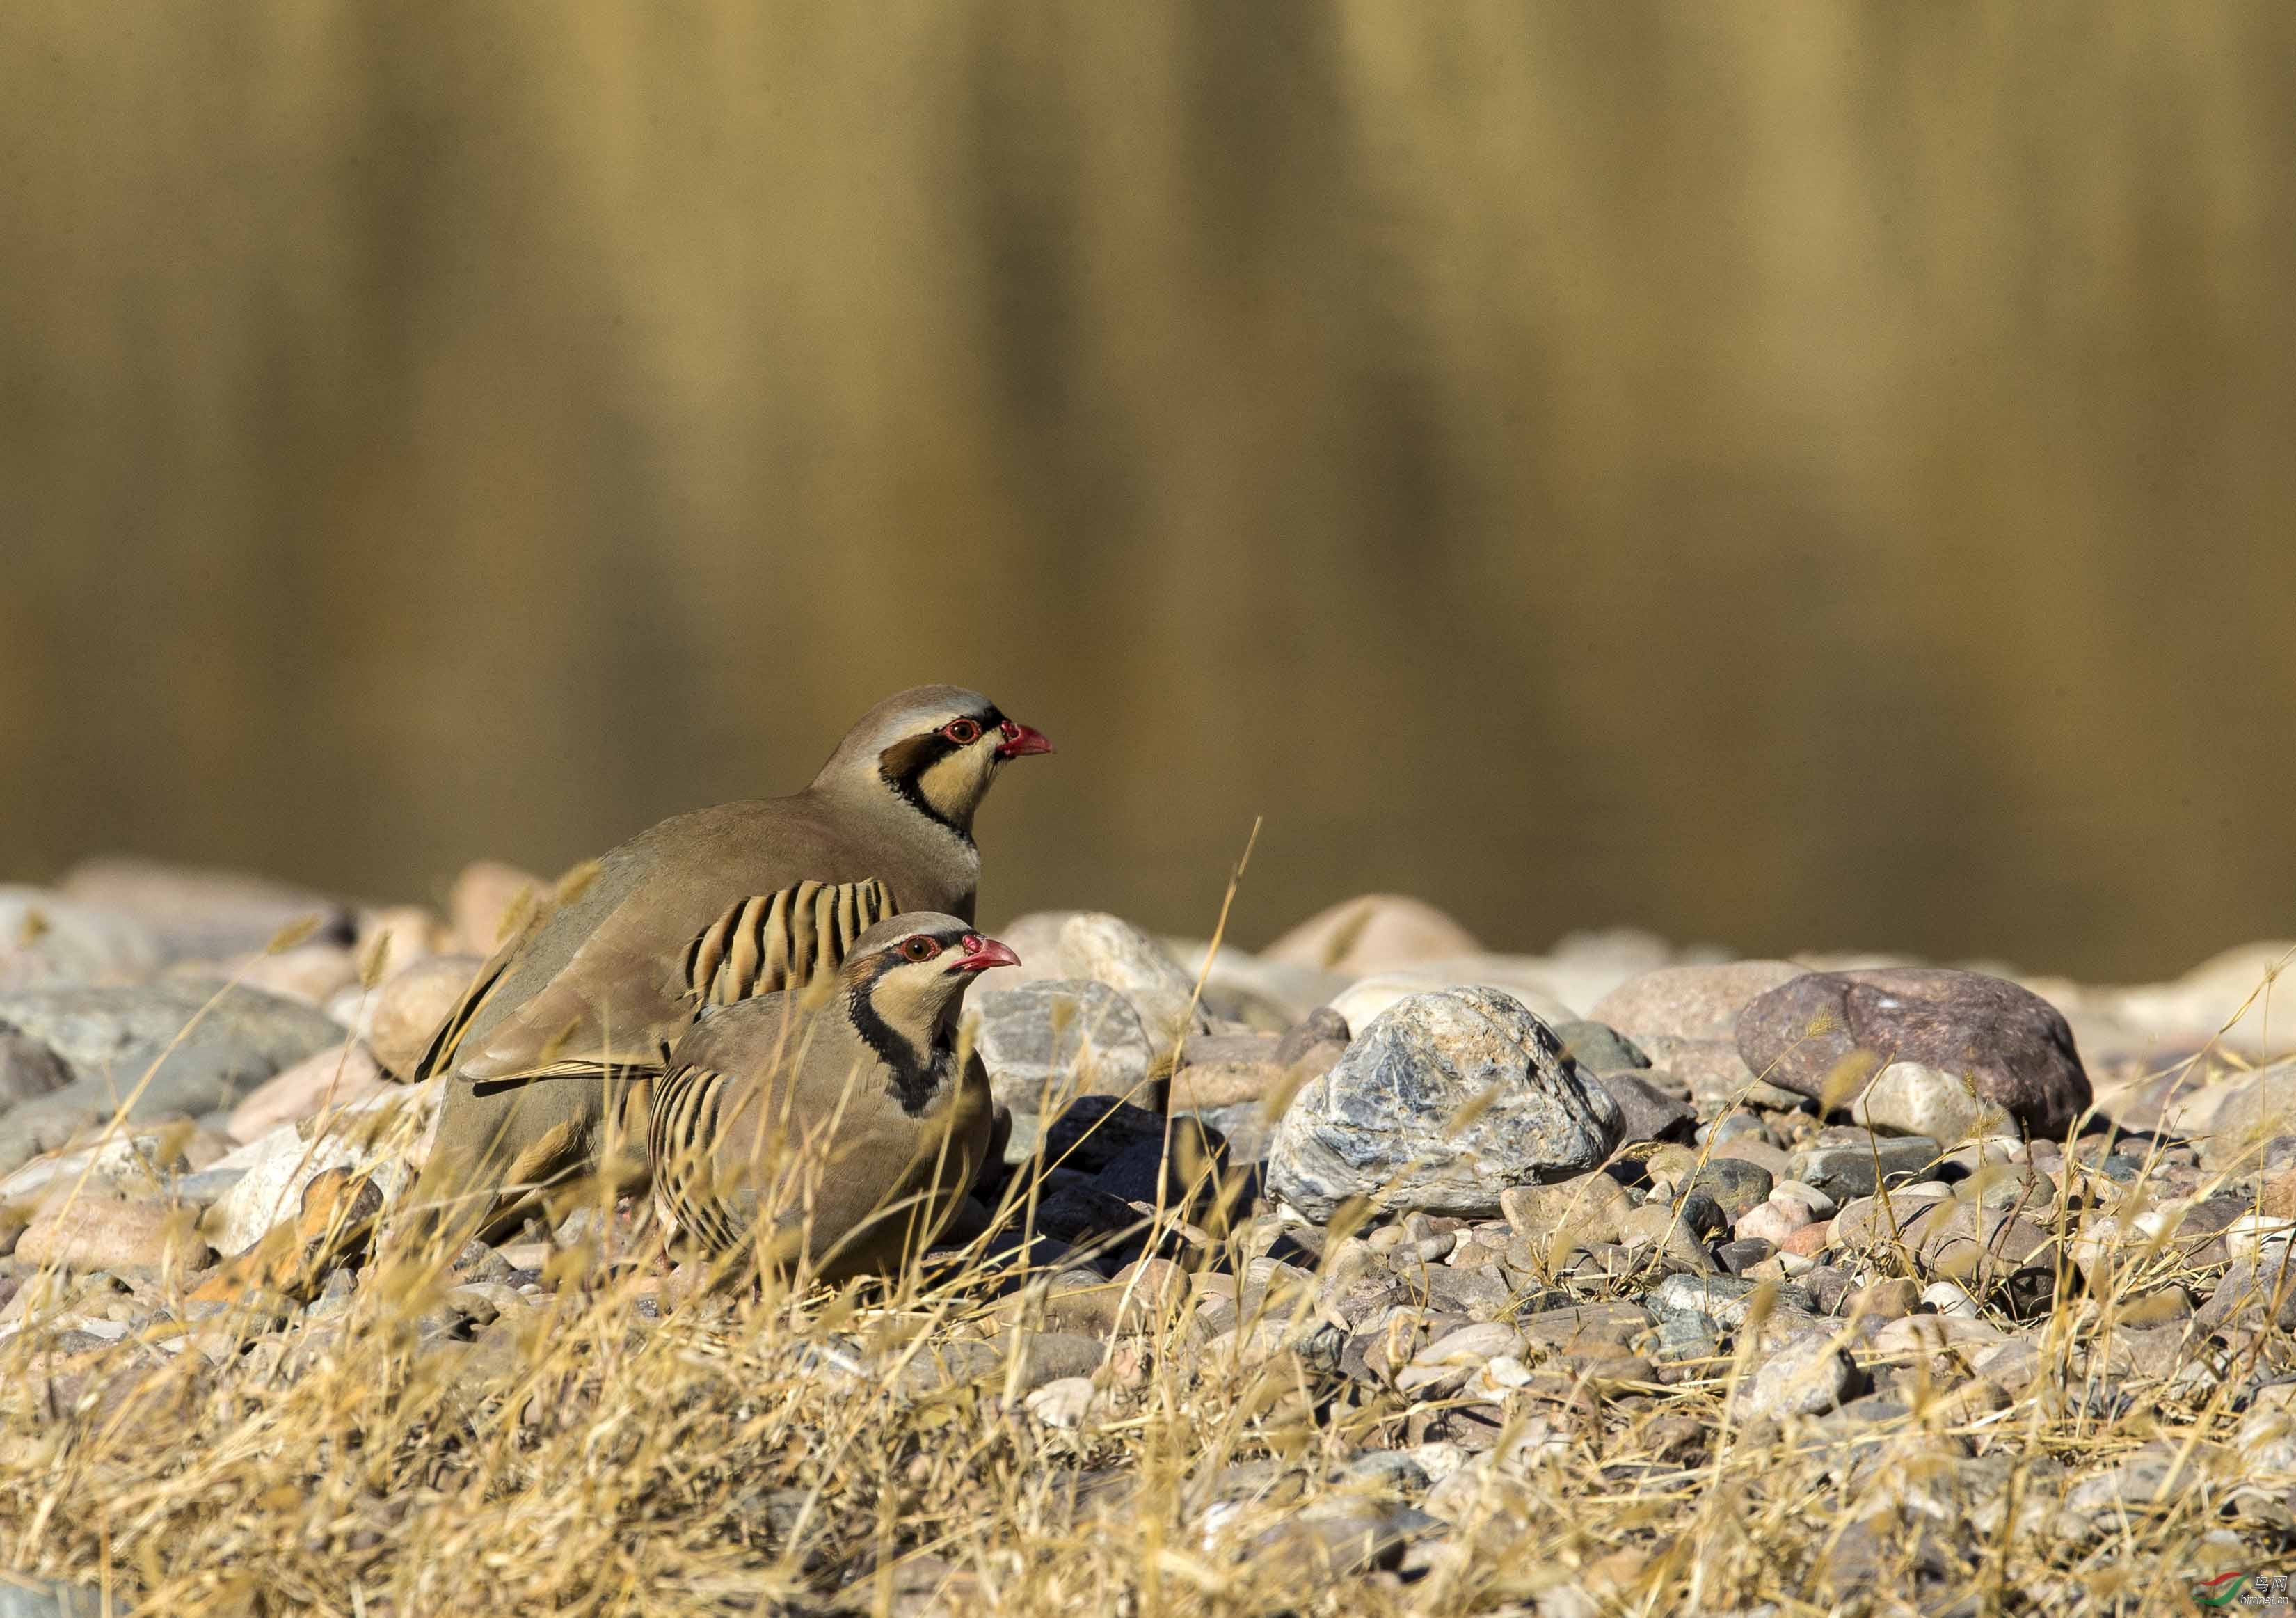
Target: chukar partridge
(833,1127)
(560,1032)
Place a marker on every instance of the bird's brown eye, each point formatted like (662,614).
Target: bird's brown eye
(921,950)
(964,732)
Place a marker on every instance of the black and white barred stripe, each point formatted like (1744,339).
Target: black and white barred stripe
(776,941)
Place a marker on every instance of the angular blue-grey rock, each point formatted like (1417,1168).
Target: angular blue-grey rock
(1060,1038)
(1442,1102)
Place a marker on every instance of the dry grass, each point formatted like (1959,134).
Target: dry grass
(765,1453)
(619,1444)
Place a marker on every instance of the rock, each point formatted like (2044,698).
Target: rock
(231,1039)
(2149,1478)
(1336,1537)
(1932,1334)
(1374,932)
(1600,1048)
(369,1141)
(1772,1221)
(1196,1157)
(1367,999)
(91,1231)
(313,973)
(1225,1069)
(1719,1301)
(411,1005)
(1755,1149)
(1913,1099)
(1809,1242)
(208,914)
(1734,1184)
(28,1069)
(2232,1120)
(1890,1300)
(1675,1004)
(2252,1235)
(2214,1003)
(337,1077)
(1680,1234)
(1095,1132)
(146,1158)
(488,901)
(1816,1033)
(112,1035)
(1078,1214)
(1807,1375)
(1045,1042)
(47,938)
(1587,1210)
(1269,996)
(1646,1113)
(1063,1402)
(1322,1032)
(26,1597)
(1845,1169)
(1108,949)
(1945,1297)
(394,937)
(1383,1123)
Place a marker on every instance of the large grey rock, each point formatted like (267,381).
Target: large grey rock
(109,1037)
(1045,1042)
(1834,1031)
(1383,1123)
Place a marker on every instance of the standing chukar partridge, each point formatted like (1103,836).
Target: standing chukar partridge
(833,1127)
(560,1031)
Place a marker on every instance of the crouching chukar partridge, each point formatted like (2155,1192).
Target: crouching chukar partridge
(833,1127)
(554,1042)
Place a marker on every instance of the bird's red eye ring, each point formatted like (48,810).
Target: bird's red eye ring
(920,948)
(964,732)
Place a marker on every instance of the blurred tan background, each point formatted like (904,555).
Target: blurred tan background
(1785,475)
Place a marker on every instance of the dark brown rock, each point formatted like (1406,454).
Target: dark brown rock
(1837,1028)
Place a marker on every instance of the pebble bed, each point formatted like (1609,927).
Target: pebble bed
(1375,1273)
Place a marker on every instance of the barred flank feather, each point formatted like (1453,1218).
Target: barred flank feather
(687,1101)
(776,941)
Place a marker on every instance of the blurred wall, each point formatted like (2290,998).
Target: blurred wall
(1792,475)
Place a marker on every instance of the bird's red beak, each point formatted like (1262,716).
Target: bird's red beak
(982,953)
(1020,741)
